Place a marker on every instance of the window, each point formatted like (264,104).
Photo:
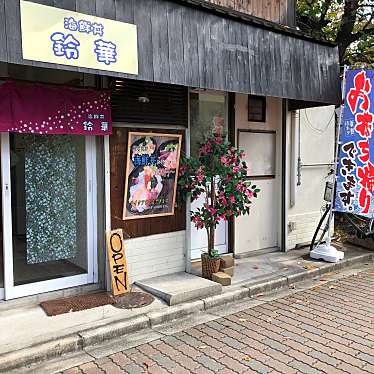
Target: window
(208,115)
(256,108)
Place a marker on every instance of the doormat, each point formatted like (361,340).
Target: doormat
(132,300)
(76,303)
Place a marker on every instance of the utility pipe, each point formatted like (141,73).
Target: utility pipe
(299,163)
(293,170)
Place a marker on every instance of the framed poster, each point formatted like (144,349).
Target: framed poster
(151,174)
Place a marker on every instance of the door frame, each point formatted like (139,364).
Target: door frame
(12,291)
(229,118)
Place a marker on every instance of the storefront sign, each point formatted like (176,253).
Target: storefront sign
(61,36)
(117,262)
(44,110)
(151,174)
(355,179)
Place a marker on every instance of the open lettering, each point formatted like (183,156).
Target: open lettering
(117,262)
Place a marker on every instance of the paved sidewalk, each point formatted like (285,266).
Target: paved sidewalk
(23,326)
(325,329)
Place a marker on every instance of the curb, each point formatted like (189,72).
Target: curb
(86,338)
(40,352)
(113,330)
(225,298)
(175,312)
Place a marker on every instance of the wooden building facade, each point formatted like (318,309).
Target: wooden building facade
(195,58)
(279,11)
(178,42)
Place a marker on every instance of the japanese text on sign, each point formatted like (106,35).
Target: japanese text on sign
(77,39)
(355,182)
(117,262)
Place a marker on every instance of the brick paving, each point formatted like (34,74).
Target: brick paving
(289,335)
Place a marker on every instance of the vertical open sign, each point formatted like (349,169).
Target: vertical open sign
(117,262)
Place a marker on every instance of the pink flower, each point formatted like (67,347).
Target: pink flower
(232,199)
(196,219)
(249,193)
(223,159)
(218,139)
(205,149)
(182,170)
(212,211)
(200,174)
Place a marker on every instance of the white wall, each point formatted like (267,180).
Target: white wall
(261,228)
(317,126)
(155,255)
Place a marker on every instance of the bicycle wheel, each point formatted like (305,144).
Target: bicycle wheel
(363,226)
(321,230)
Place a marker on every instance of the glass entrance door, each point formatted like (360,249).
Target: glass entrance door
(208,112)
(49,212)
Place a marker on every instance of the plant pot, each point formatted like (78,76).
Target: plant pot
(209,266)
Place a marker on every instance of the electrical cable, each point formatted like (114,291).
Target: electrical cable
(311,126)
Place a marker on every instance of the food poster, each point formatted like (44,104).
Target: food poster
(151,174)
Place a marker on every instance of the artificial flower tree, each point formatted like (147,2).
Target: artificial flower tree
(219,175)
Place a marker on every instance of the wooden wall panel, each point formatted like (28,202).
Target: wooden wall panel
(3,32)
(139,227)
(271,10)
(193,47)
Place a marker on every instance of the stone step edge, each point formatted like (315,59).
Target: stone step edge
(83,339)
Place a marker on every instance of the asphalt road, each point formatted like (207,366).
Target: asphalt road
(326,329)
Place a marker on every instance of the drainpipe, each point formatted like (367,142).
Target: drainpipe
(283,246)
(299,163)
(293,170)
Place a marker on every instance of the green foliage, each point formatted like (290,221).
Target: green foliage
(349,23)
(220,175)
(214,254)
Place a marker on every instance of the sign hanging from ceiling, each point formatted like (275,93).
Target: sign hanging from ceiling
(64,37)
(355,177)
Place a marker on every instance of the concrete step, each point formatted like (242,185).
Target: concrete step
(178,288)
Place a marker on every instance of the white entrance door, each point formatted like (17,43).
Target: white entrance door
(259,229)
(199,238)
(49,212)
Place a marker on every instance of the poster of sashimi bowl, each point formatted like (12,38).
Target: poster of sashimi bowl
(151,174)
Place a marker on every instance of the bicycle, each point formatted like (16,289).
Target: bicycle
(352,224)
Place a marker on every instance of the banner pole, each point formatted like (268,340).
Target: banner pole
(331,214)
(326,251)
